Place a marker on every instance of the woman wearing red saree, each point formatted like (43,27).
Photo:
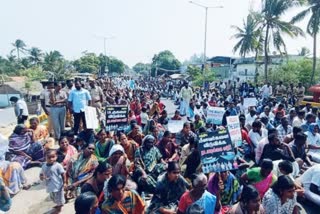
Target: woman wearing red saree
(66,152)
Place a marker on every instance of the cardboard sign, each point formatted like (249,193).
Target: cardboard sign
(216,151)
(233,124)
(116,117)
(91,116)
(247,102)
(215,115)
(175,126)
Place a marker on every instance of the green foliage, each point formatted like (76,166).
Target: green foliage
(89,63)
(116,66)
(34,73)
(36,55)
(165,60)
(292,72)
(19,46)
(198,77)
(140,67)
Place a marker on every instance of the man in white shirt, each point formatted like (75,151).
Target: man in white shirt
(266,91)
(311,183)
(21,109)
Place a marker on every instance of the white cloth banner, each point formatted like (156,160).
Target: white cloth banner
(175,126)
(234,130)
(215,115)
(92,121)
(247,102)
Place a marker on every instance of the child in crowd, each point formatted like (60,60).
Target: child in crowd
(144,117)
(54,175)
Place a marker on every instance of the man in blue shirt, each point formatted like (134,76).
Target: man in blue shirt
(79,98)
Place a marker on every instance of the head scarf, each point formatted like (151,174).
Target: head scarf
(312,127)
(148,138)
(18,129)
(115,148)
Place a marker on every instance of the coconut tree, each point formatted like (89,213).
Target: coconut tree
(249,37)
(20,46)
(35,55)
(274,27)
(313,27)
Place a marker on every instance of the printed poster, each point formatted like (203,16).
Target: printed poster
(116,117)
(234,129)
(216,150)
(215,115)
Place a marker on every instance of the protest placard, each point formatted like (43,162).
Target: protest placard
(116,117)
(251,101)
(175,126)
(91,117)
(233,124)
(216,152)
(215,115)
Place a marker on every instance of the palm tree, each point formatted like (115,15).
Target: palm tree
(19,47)
(35,55)
(250,38)
(313,27)
(274,27)
(51,60)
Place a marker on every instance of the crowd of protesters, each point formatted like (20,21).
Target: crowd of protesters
(145,168)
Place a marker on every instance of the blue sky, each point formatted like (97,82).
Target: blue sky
(140,28)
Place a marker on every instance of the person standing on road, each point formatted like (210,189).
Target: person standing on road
(68,89)
(79,98)
(186,94)
(58,100)
(45,104)
(21,109)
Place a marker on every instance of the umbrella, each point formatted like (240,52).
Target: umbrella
(314,89)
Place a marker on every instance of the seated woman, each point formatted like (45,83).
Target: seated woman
(65,152)
(170,187)
(281,197)
(313,139)
(260,177)
(250,202)
(135,134)
(103,146)
(176,115)
(82,168)
(230,191)
(118,161)
(148,165)
(199,195)
(86,203)
(96,183)
(121,200)
(168,149)
(40,131)
(5,200)
(129,146)
(12,173)
(23,148)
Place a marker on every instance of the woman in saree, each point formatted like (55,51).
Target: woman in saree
(103,146)
(199,195)
(12,173)
(5,200)
(261,177)
(226,187)
(122,200)
(82,168)
(23,148)
(40,131)
(66,152)
(119,161)
(148,165)
(155,109)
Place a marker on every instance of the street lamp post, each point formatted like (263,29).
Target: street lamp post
(205,33)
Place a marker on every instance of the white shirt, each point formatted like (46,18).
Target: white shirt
(266,91)
(256,137)
(311,176)
(249,119)
(144,118)
(295,169)
(297,122)
(22,105)
(271,115)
